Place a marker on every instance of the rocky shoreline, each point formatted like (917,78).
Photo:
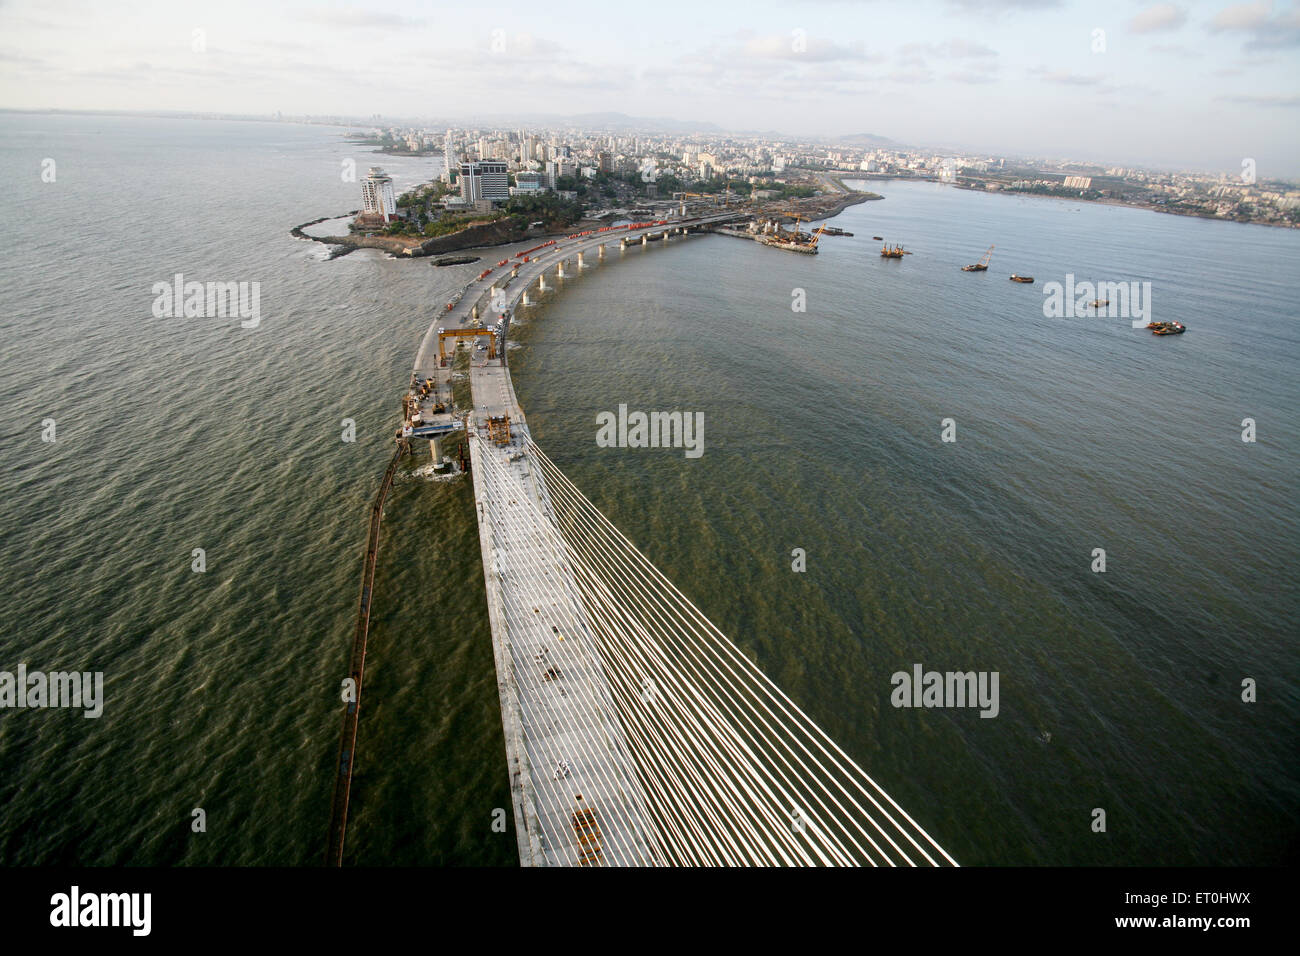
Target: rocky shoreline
(499,233)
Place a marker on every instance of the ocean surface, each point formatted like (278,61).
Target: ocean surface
(1119,690)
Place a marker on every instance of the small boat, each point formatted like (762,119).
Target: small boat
(1098,303)
(1016,278)
(1166,328)
(878,238)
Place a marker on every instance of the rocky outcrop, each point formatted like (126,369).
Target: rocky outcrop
(480,234)
(497,233)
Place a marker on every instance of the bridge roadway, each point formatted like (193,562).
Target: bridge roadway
(550,676)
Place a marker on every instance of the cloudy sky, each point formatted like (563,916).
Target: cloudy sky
(1201,84)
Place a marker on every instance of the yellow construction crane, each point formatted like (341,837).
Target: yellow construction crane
(982,265)
(714,198)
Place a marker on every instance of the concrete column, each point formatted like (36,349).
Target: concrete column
(514,271)
(541,282)
(580,262)
(525,300)
(559,270)
(435,449)
(474,313)
(645,238)
(600,251)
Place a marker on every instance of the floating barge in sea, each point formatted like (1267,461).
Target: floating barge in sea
(982,265)
(771,234)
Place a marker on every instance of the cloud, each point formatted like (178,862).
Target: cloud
(353,19)
(1242,16)
(1256,20)
(798,45)
(1157,19)
(951,50)
(996,6)
(911,77)
(1064,77)
(971,76)
(1272,101)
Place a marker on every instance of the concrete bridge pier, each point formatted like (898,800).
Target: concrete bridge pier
(559,270)
(514,271)
(474,313)
(600,252)
(645,237)
(525,299)
(541,282)
(580,262)
(435,449)
(622,243)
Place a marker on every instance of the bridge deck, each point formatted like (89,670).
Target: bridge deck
(577,799)
(569,753)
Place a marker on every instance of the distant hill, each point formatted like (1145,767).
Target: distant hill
(868,139)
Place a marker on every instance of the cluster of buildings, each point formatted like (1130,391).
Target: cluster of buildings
(487,166)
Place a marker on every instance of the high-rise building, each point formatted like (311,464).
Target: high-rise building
(448,157)
(528,182)
(377,194)
(487,179)
(606,161)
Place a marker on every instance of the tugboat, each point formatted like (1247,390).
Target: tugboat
(1016,278)
(1166,328)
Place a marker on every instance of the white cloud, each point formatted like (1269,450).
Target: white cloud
(1161,17)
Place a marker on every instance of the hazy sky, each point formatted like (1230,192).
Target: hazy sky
(1194,84)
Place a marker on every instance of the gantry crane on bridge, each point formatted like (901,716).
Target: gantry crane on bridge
(444,334)
(725,200)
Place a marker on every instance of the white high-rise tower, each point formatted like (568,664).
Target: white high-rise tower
(377,193)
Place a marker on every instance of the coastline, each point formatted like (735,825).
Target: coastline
(501,232)
(1096,202)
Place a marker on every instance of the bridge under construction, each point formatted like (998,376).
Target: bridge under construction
(636,732)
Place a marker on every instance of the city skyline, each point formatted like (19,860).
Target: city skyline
(1199,85)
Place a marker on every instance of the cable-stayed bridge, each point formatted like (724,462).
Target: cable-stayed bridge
(636,732)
